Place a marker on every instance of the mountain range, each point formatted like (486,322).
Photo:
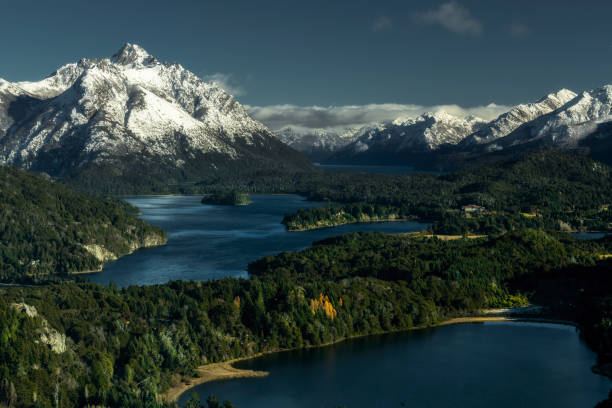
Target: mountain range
(130,123)
(428,132)
(560,120)
(318,144)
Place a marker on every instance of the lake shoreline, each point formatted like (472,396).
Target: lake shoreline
(225,370)
(333,225)
(100,268)
(419,220)
(211,372)
(442,237)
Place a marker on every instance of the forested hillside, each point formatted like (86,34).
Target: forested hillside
(48,230)
(76,344)
(551,190)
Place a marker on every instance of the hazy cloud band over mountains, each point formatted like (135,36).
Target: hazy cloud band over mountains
(353,116)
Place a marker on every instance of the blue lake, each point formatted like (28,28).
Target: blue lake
(210,242)
(470,365)
(589,235)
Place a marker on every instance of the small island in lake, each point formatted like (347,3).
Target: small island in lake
(227,198)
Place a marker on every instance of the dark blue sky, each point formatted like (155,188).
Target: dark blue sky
(468,52)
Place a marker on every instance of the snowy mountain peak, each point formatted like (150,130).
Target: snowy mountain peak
(570,123)
(427,132)
(132,54)
(561,119)
(561,96)
(443,116)
(440,115)
(508,122)
(430,117)
(590,105)
(131,111)
(603,94)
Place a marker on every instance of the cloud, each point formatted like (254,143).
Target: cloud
(517,29)
(382,23)
(225,82)
(452,16)
(339,118)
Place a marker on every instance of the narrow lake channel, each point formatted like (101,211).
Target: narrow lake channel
(211,242)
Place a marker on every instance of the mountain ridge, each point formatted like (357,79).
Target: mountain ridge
(132,114)
(559,120)
(519,114)
(428,132)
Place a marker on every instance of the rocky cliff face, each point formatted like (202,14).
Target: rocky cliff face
(49,336)
(104,255)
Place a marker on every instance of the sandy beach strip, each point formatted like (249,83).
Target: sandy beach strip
(484,319)
(211,372)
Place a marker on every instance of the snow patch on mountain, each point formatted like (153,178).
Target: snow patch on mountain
(507,122)
(318,143)
(561,119)
(56,83)
(567,125)
(96,111)
(427,132)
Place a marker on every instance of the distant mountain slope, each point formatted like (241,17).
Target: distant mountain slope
(47,229)
(316,144)
(562,120)
(507,122)
(131,123)
(582,125)
(565,126)
(407,137)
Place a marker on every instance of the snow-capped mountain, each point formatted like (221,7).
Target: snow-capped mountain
(132,114)
(426,133)
(507,122)
(318,144)
(565,127)
(560,120)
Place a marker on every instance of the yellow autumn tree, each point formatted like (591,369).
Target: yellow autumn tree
(323,304)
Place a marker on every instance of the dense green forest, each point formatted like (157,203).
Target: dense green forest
(122,347)
(144,173)
(48,230)
(551,190)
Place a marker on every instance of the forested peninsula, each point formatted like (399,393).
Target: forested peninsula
(48,231)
